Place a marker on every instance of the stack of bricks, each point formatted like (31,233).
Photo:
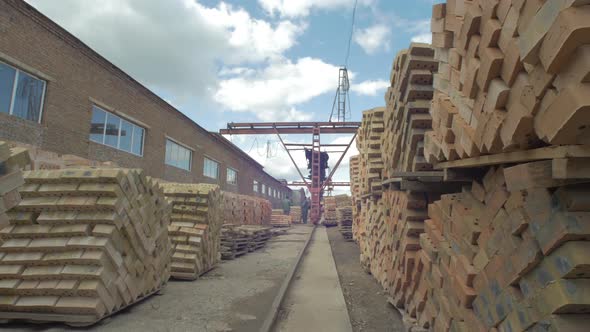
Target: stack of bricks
(330,216)
(368,143)
(245,210)
(295,214)
(406,114)
(11,162)
(513,75)
(345,222)
(509,253)
(195,228)
(237,240)
(278,218)
(355,185)
(46,160)
(355,190)
(82,244)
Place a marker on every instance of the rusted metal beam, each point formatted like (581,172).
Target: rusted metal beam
(292,160)
(329,178)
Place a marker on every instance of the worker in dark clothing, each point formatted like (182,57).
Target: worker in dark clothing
(286,205)
(304,209)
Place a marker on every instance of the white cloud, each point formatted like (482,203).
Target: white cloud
(175,45)
(272,93)
(423,38)
(374,38)
(302,8)
(370,88)
(421,31)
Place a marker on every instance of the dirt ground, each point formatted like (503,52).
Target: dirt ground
(367,304)
(235,296)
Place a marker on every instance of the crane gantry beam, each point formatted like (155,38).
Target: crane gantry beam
(271,128)
(315,186)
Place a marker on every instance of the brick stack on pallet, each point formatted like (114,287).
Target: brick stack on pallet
(46,160)
(513,76)
(195,228)
(355,190)
(510,253)
(279,219)
(245,210)
(345,222)
(406,115)
(237,240)
(82,244)
(330,215)
(368,143)
(234,242)
(295,214)
(259,236)
(11,178)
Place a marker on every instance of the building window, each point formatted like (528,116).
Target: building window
(178,155)
(211,168)
(255,186)
(109,129)
(21,94)
(232,176)
(263,189)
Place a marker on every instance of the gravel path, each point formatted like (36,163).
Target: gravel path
(367,304)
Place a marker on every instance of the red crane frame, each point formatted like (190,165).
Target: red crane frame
(315,187)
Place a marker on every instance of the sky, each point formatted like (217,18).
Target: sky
(252,61)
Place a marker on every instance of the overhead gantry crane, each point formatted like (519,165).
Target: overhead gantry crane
(315,186)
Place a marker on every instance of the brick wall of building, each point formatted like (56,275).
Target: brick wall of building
(78,78)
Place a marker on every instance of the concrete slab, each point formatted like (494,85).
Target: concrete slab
(314,301)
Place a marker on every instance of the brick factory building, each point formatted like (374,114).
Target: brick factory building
(61,96)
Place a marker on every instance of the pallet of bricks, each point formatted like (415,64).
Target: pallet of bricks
(83,244)
(330,214)
(195,228)
(11,178)
(394,221)
(245,210)
(355,191)
(235,242)
(368,179)
(344,215)
(278,218)
(295,214)
(510,251)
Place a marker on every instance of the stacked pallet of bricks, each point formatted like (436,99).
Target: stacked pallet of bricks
(406,115)
(46,160)
(234,242)
(278,218)
(245,210)
(11,162)
(508,254)
(513,75)
(368,178)
(368,143)
(345,222)
(259,236)
(395,220)
(237,240)
(195,228)
(355,190)
(295,214)
(82,244)
(330,214)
